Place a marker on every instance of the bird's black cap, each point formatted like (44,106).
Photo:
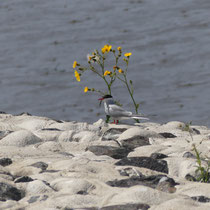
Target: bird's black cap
(107,96)
(104,97)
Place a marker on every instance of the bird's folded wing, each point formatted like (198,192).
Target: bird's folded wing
(116,110)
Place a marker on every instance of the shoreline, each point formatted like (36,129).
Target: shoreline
(54,164)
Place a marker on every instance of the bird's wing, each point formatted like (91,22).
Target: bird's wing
(117,111)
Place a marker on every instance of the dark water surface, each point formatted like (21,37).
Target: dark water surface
(170,42)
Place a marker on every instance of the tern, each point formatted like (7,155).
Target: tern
(117,112)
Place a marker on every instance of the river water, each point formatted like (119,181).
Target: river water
(169,66)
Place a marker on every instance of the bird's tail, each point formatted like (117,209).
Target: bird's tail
(138,117)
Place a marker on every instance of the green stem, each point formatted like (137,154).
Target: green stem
(130,92)
(93,69)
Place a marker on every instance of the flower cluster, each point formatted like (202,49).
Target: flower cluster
(106,48)
(108,76)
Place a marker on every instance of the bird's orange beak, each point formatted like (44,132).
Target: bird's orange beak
(101,99)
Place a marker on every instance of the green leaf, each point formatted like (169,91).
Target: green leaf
(107,118)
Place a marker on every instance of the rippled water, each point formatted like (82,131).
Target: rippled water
(170,42)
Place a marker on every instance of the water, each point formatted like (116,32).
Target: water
(170,42)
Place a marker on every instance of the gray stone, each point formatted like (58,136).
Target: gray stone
(145,162)
(137,131)
(188,155)
(157,155)
(129,206)
(167,135)
(134,142)
(114,152)
(5,161)
(41,165)
(201,198)
(4,133)
(8,192)
(20,138)
(23,179)
(38,187)
(113,133)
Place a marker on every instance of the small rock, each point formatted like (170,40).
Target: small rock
(112,133)
(1,112)
(20,138)
(50,129)
(114,152)
(5,161)
(41,165)
(145,162)
(65,136)
(66,154)
(134,142)
(50,171)
(129,206)
(174,125)
(166,185)
(4,133)
(34,199)
(196,131)
(24,113)
(100,123)
(8,192)
(188,155)
(85,136)
(126,182)
(23,179)
(137,131)
(167,135)
(157,156)
(38,187)
(131,172)
(149,181)
(202,199)
(191,178)
(58,121)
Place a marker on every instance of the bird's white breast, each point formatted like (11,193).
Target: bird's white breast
(106,108)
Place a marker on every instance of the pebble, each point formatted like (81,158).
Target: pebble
(9,192)
(5,161)
(20,138)
(145,162)
(114,152)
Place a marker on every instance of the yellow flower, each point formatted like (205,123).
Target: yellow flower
(120,71)
(74,64)
(89,57)
(103,50)
(119,48)
(77,75)
(107,73)
(106,48)
(86,89)
(128,54)
(109,47)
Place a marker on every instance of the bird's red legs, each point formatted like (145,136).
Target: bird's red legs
(115,122)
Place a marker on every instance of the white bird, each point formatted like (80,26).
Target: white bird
(117,112)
